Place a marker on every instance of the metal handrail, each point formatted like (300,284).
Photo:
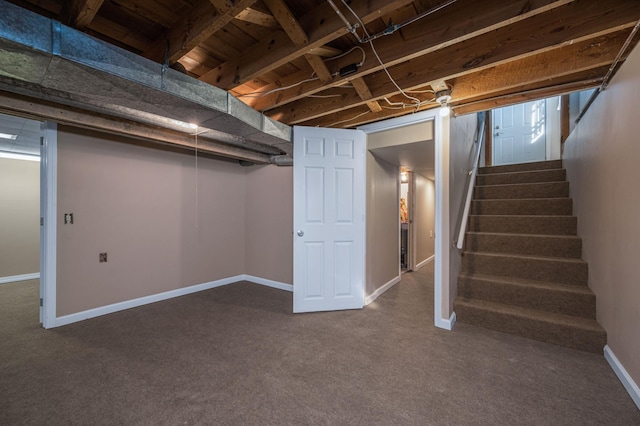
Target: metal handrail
(472,183)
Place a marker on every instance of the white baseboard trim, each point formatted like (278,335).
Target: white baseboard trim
(104,310)
(16,278)
(268,283)
(446,324)
(623,375)
(425,262)
(373,296)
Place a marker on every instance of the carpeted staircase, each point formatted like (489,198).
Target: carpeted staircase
(522,271)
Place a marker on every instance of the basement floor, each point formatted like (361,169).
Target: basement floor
(237,355)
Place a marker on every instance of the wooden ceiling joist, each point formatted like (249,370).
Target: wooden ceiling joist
(423,37)
(205,19)
(491,49)
(587,60)
(287,21)
(365,94)
(285,57)
(82,12)
(278,49)
(257,17)
(298,37)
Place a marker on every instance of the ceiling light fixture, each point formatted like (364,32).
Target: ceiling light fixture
(8,136)
(443,97)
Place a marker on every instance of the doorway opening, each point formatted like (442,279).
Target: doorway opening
(406,197)
(20,196)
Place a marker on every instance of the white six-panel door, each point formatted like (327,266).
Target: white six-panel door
(329,219)
(519,133)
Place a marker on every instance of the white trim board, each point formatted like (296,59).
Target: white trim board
(426,261)
(16,278)
(449,323)
(373,296)
(145,300)
(48,232)
(627,381)
(268,283)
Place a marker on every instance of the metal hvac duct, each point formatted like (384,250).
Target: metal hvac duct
(41,58)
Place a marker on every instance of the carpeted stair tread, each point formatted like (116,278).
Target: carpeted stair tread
(521,271)
(536,206)
(541,268)
(566,299)
(565,330)
(525,224)
(531,283)
(525,244)
(509,168)
(551,175)
(522,191)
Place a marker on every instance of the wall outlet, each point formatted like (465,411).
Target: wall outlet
(68,218)
(103,257)
(431,233)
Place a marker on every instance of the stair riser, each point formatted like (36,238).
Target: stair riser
(556,206)
(558,175)
(557,334)
(541,225)
(511,168)
(520,191)
(550,270)
(525,244)
(544,299)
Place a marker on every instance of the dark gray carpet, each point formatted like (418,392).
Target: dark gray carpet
(236,355)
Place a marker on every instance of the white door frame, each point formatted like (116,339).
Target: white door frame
(48,232)
(443,241)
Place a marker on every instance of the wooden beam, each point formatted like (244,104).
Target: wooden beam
(82,12)
(202,21)
(258,18)
(517,98)
(298,37)
(324,51)
(319,67)
(321,25)
(365,94)
(428,35)
(542,88)
(287,21)
(497,47)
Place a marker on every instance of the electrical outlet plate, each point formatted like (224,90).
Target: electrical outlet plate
(102,257)
(68,218)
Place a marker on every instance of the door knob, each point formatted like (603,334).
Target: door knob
(498,134)
(300,232)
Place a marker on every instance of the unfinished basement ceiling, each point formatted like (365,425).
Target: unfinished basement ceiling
(300,62)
